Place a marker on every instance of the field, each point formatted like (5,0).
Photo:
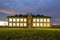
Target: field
(29,34)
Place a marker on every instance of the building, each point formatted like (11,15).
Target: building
(29,21)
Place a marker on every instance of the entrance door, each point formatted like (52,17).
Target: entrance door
(29,22)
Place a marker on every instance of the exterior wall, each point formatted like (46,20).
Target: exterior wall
(17,23)
(43,23)
(39,22)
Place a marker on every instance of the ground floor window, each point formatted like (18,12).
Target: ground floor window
(14,24)
(17,24)
(23,24)
(41,24)
(10,24)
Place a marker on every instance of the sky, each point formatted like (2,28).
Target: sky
(44,7)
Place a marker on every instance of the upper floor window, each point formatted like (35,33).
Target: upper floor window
(10,19)
(48,20)
(37,20)
(44,20)
(25,20)
(21,19)
(34,20)
(41,20)
(17,19)
(14,19)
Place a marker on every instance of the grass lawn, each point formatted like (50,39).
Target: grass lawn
(29,34)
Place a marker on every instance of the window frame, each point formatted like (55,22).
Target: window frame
(34,20)
(14,19)
(10,24)
(10,19)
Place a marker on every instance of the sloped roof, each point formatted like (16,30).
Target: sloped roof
(34,16)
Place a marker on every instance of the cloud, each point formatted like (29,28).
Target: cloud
(7,11)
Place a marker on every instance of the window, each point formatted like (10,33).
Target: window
(48,24)
(10,24)
(34,20)
(37,20)
(48,20)
(37,24)
(44,20)
(25,19)
(10,19)
(21,24)
(17,24)
(41,20)
(41,24)
(17,19)
(44,24)
(14,19)
(21,19)
(14,24)
(34,24)
(25,24)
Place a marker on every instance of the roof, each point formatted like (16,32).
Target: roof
(18,16)
(40,16)
(34,16)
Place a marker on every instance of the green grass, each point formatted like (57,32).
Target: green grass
(29,34)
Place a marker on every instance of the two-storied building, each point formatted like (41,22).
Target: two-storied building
(29,21)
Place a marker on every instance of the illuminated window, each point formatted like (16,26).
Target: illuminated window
(37,24)
(21,19)
(21,24)
(48,20)
(25,24)
(34,20)
(17,19)
(44,24)
(10,19)
(17,24)
(10,24)
(25,19)
(14,24)
(41,20)
(14,19)
(44,20)
(41,24)
(48,24)
(34,24)
(37,20)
